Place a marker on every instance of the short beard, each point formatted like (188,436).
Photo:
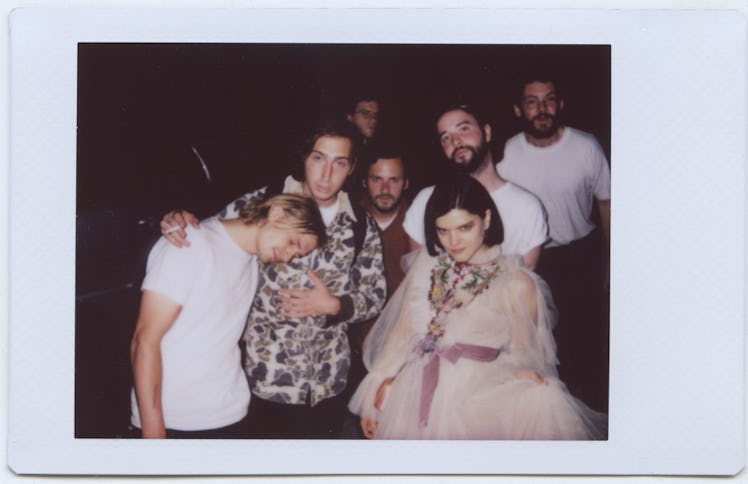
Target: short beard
(529,128)
(386,210)
(476,161)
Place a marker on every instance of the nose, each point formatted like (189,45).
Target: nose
(452,239)
(456,141)
(543,106)
(327,171)
(386,187)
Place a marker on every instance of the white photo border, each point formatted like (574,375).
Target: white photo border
(678,252)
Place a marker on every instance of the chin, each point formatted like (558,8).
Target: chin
(461,257)
(385,208)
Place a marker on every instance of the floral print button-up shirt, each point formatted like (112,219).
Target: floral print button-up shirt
(291,359)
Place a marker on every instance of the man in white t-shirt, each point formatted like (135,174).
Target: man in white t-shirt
(464,139)
(188,377)
(568,171)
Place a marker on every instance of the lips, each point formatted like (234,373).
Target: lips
(462,154)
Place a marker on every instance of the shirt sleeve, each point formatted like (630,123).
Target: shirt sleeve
(171,270)
(537,227)
(231,211)
(413,223)
(601,173)
(366,287)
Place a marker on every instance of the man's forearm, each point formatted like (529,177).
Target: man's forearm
(604,208)
(147,373)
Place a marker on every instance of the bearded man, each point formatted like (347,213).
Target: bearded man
(464,139)
(568,171)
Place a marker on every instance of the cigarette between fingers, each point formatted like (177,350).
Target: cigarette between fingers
(172,230)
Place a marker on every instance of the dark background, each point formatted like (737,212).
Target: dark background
(148,112)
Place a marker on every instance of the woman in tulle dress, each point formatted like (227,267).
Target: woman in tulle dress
(465,350)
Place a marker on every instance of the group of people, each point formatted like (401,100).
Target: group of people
(300,308)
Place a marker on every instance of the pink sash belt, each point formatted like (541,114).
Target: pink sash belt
(431,371)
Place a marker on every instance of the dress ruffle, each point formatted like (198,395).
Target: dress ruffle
(474,398)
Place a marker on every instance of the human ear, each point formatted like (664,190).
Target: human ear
(517,111)
(487,220)
(487,132)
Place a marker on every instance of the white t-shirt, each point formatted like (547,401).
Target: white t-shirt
(564,176)
(521,215)
(329,213)
(214,280)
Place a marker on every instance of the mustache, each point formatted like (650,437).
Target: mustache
(543,116)
(468,148)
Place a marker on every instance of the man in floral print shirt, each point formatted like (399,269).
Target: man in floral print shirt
(297,351)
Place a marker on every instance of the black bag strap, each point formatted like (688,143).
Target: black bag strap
(359,229)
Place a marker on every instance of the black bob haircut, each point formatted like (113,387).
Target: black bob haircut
(333,129)
(462,192)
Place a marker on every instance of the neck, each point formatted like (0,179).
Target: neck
(545,142)
(487,176)
(482,255)
(243,235)
(381,218)
(305,190)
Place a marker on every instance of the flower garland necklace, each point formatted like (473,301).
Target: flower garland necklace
(444,300)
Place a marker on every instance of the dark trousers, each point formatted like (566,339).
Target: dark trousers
(575,274)
(356,334)
(238,430)
(271,420)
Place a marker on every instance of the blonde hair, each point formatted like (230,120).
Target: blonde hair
(301,213)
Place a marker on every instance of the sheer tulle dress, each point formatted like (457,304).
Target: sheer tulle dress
(462,342)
